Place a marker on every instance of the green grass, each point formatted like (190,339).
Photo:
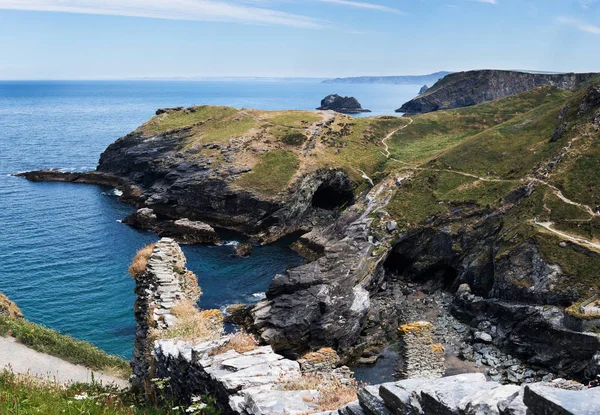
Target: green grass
(272,174)
(433,133)
(208,124)
(294,139)
(295,118)
(22,395)
(51,342)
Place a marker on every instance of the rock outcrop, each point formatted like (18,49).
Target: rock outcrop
(423,89)
(472,395)
(345,105)
(537,334)
(463,89)
(183,230)
(9,308)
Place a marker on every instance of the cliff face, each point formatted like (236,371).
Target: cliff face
(463,89)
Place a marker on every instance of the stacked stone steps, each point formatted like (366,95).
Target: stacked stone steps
(471,394)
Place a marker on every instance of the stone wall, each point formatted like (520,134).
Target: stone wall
(165,283)
(419,355)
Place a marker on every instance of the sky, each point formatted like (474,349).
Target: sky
(121,39)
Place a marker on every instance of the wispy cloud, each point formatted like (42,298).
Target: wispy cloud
(364,5)
(587,3)
(487,1)
(578,24)
(205,10)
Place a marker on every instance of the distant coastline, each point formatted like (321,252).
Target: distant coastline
(429,79)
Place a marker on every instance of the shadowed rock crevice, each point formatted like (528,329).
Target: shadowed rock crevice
(330,196)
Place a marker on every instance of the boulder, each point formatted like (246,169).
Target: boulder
(546,400)
(243,249)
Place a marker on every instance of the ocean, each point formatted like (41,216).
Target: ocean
(64,253)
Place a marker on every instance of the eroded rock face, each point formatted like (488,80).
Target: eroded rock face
(9,308)
(537,334)
(464,89)
(346,105)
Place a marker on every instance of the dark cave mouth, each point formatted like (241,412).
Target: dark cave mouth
(331,197)
(439,276)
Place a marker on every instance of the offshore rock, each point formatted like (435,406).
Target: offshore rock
(182,230)
(243,249)
(463,89)
(346,105)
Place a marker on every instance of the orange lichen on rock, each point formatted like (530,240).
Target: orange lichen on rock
(418,327)
(437,348)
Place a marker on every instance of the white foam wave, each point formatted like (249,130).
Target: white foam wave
(260,296)
(229,243)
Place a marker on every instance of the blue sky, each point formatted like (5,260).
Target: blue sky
(98,39)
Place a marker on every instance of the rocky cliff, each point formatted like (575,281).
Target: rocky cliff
(463,89)
(395,210)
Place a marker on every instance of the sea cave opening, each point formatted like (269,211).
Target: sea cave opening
(331,197)
(441,276)
(396,263)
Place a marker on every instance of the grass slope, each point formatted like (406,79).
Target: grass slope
(26,395)
(52,342)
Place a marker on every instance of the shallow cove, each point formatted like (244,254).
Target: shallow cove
(63,255)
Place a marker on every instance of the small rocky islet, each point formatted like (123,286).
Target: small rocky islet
(464,252)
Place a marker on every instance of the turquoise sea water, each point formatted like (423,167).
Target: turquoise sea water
(63,252)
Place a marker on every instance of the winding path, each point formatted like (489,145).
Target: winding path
(387,153)
(21,359)
(575,239)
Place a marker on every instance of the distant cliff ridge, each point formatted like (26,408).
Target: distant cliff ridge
(393,80)
(463,89)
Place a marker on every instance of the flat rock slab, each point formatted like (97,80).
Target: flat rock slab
(244,362)
(546,400)
(276,402)
(486,401)
(443,396)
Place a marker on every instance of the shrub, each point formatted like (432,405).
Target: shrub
(334,391)
(193,324)
(140,261)
(294,139)
(241,342)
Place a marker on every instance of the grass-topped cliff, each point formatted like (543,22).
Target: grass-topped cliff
(527,161)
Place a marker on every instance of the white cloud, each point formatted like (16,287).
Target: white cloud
(363,5)
(578,24)
(487,1)
(205,10)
